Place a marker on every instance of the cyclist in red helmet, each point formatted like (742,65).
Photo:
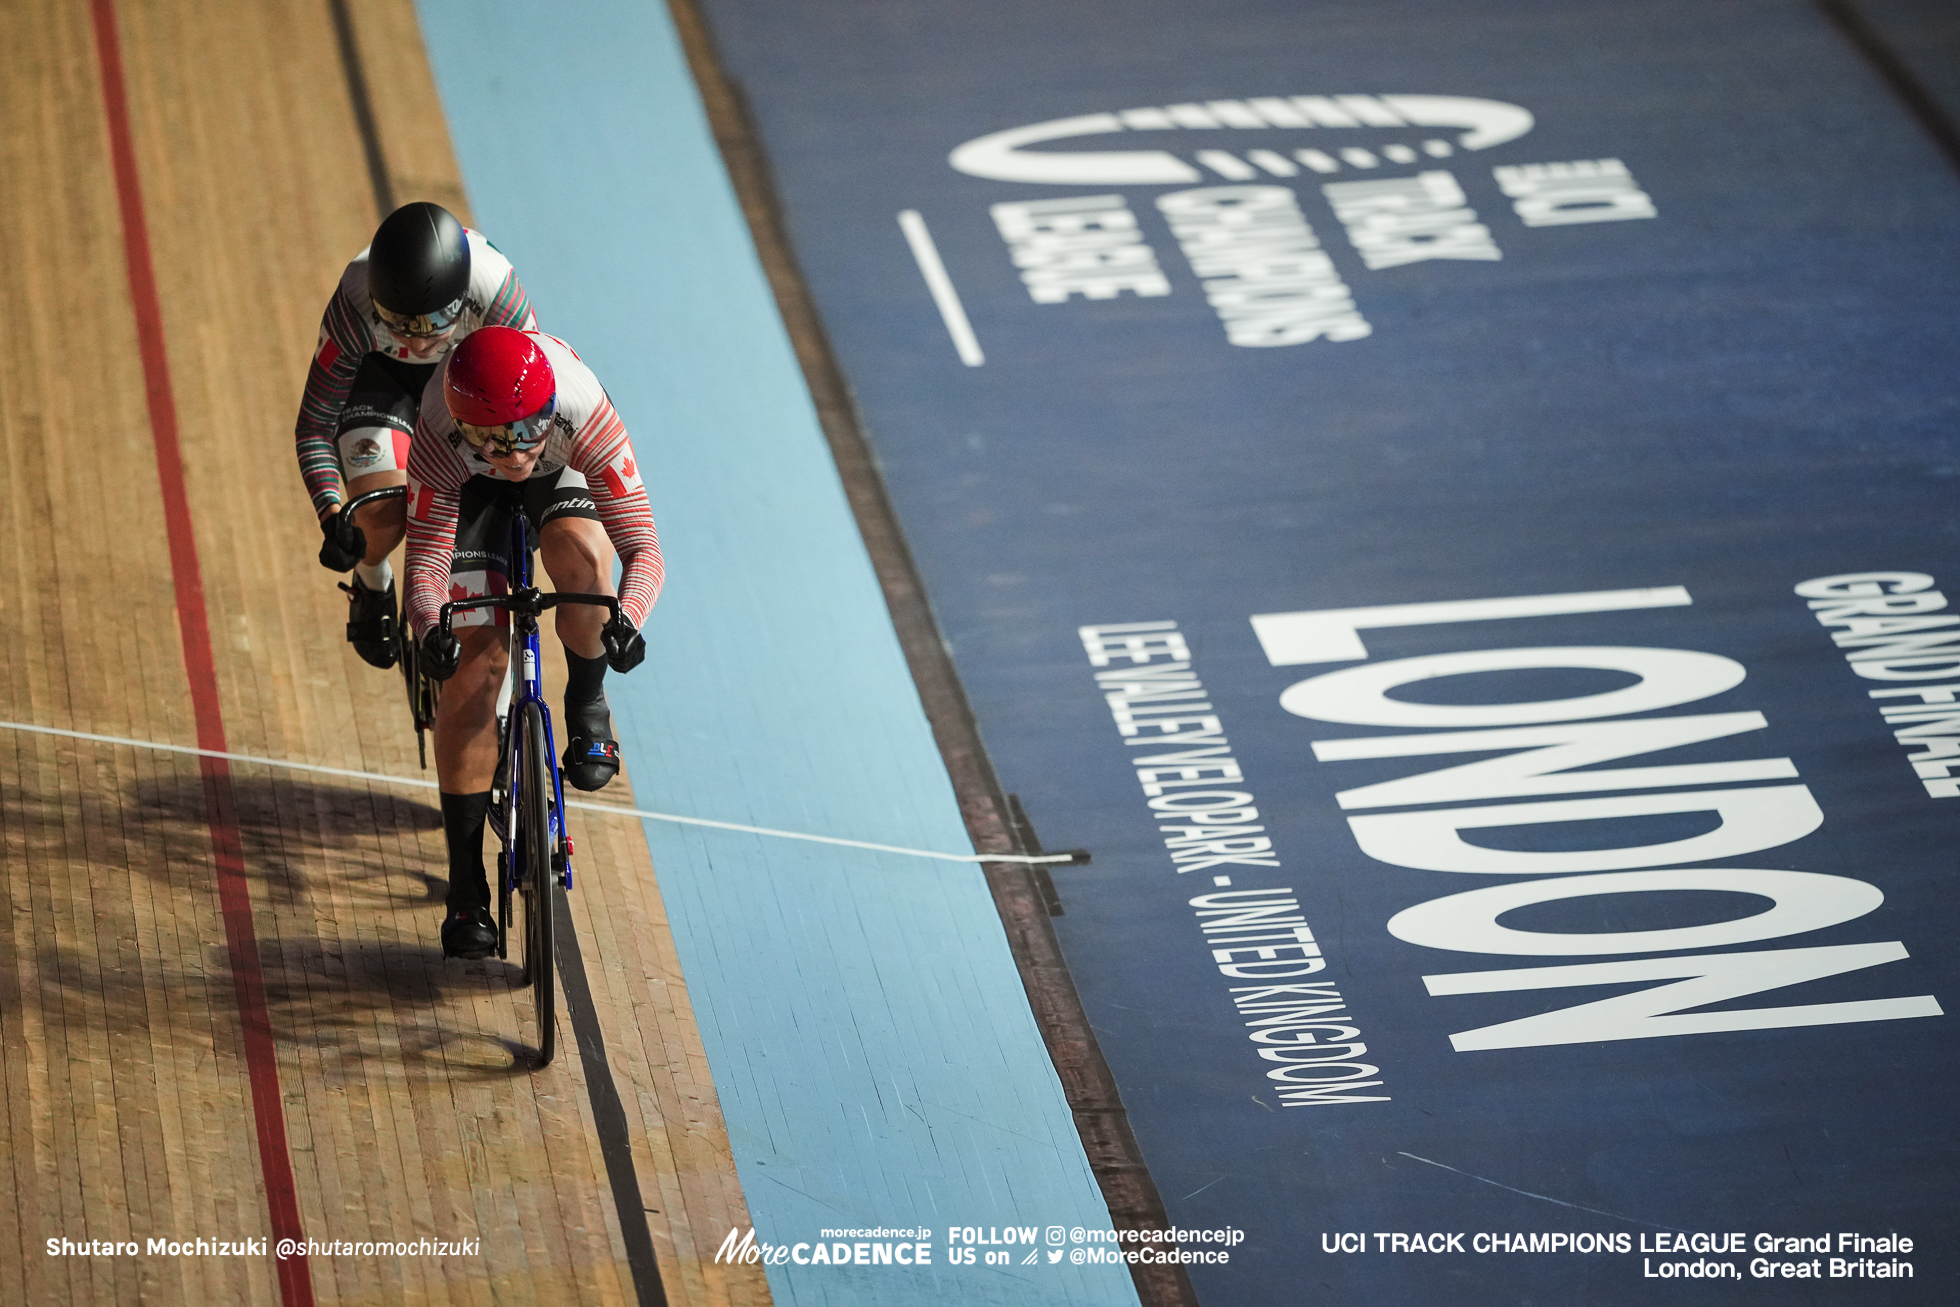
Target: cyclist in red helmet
(424,283)
(514,417)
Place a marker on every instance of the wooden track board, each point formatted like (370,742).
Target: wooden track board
(125,1113)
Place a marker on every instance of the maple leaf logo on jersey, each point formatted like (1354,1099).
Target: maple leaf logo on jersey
(621,477)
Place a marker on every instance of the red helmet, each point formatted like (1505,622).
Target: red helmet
(498,376)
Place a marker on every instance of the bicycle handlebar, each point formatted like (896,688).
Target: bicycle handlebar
(386,492)
(530,603)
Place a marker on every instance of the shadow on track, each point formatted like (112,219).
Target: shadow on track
(347,897)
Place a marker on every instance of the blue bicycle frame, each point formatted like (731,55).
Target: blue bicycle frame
(525,665)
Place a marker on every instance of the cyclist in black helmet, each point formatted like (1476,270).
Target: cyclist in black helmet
(424,283)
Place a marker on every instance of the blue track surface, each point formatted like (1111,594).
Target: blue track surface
(1925,35)
(870,1041)
(1736,376)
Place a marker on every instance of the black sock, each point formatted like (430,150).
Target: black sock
(585,678)
(585,687)
(462,824)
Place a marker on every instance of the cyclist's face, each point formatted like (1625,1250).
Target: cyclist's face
(421,336)
(512,448)
(516,465)
(425,349)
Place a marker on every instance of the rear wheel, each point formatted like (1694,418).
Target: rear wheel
(533,847)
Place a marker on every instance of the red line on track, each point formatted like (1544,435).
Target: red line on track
(234,896)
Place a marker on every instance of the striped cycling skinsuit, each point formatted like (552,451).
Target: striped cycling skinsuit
(371,434)
(587,454)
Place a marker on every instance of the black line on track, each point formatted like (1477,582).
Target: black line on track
(1100,1118)
(608,1112)
(1896,74)
(357,92)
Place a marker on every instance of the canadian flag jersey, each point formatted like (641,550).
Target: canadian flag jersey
(586,435)
(621,475)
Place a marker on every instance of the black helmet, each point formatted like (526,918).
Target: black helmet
(419,262)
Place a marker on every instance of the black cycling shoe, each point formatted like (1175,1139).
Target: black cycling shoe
(592,757)
(469,933)
(371,623)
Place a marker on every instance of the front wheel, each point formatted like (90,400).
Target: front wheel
(533,845)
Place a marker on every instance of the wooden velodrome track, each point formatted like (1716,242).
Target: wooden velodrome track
(223,1011)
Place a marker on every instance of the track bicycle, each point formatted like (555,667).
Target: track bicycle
(527,803)
(423,690)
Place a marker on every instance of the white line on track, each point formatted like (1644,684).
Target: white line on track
(941,286)
(611,809)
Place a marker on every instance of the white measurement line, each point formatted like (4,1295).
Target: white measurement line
(941,286)
(213,753)
(612,809)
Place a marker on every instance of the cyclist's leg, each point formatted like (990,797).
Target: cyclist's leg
(466,717)
(383,523)
(466,760)
(392,398)
(374,431)
(579,557)
(373,434)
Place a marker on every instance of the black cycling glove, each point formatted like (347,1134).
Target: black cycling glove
(345,544)
(626,648)
(442,653)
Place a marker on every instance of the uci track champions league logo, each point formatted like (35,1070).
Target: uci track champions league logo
(1385,165)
